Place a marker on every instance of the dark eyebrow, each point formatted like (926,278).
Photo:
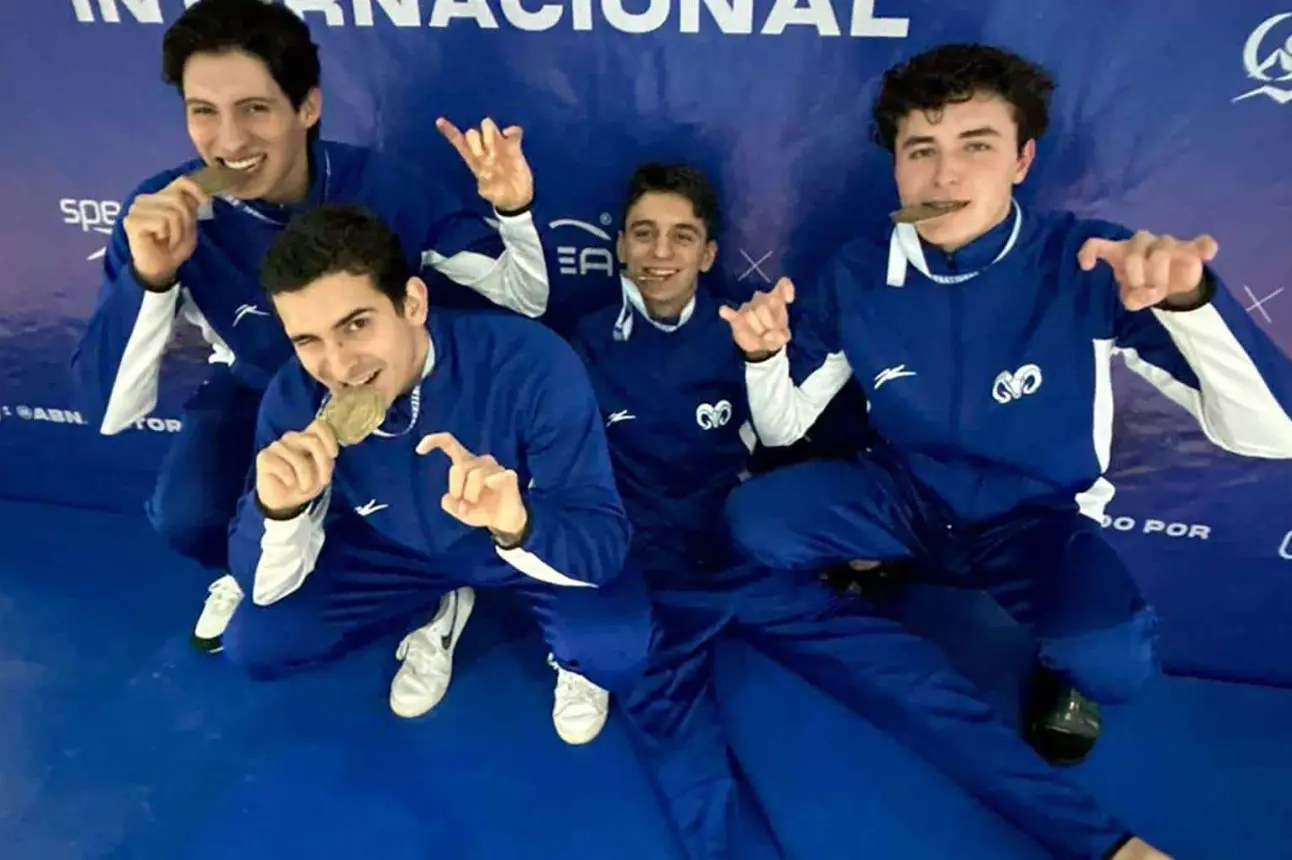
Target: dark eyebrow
(341,323)
(193,101)
(924,139)
(646,222)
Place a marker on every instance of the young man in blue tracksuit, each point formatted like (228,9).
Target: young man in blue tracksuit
(489,469)
(248,73)
(983,340)
(673,394)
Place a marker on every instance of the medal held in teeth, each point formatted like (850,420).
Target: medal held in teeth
(216,178)
(353,414)
(918,212)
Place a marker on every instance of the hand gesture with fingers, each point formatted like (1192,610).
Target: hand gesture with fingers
(481,492)
(161,229)
(761,326)
(1149,268)
(502,174)
(293,471)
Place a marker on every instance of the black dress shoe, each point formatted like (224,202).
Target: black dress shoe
(1063,725)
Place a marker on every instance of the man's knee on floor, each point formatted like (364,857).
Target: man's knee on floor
(1108,666)
(613,653)
(615,666)
(266,643)
(605,634)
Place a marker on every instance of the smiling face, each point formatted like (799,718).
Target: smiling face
(347,332)
(967,151)
(237,114)
(663,248)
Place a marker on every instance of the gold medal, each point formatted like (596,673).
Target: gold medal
(924,211)
(354,413)
(216,178)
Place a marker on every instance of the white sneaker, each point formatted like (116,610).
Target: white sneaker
(581,707)
(221,603)
(427,653)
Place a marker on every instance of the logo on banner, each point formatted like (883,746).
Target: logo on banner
(692,16)
(54,415)
(1285,548)
(92,216)
(582,257)
(1150,526)
(1267,57)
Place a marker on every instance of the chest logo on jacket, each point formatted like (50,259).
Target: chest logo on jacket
(888,374)
(711,416)
(247,310)
(1010,386)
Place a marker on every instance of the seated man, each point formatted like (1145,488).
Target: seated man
(248,73)
(982,338)
(488,469)
(673,392)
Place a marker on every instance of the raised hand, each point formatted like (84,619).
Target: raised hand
(1150,268)
(293,471)
(481,492)
(161,229)
(761,325)
(502,174)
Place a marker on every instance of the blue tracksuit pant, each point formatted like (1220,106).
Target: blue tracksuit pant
(1047,565)
(674,719)
(204,472)
(896,680)
(364,586)
(655,659)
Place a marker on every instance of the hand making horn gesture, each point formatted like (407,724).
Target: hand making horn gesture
(761,325)
(481,492)
(502,174)
(1150,268)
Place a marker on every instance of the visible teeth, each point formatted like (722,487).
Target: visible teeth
(244,164)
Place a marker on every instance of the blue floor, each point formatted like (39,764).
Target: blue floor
(117,741)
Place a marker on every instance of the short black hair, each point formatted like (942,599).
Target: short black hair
(683,180)
(331,239)
(956,73)
(268,31)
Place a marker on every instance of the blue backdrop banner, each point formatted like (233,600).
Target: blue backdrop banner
(1177,123)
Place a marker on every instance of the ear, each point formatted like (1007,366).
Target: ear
(416,301)
(710,254)
(619,248)
(1025,159)
(311,108)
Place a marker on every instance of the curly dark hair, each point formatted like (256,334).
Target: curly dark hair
(331,239)
(956,73)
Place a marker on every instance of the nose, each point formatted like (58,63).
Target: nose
(339,363)
(232,135)
(661,249)
(948,171)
